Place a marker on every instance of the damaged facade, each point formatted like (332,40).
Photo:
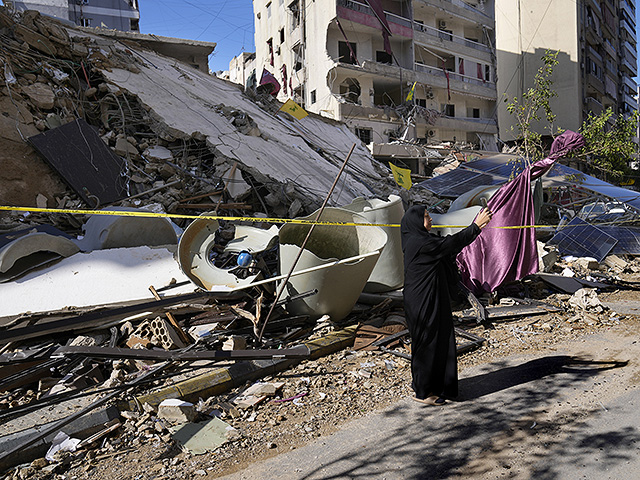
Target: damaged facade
(332,58)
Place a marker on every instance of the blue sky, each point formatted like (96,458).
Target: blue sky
(229,23)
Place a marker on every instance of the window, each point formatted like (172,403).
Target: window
(269,10)
(344,53)
(85,22)
(421,102)
(475,113)
(383,57)
(282,35)
(134,24)
(295,10)
(487,73)
(270,48)
(449,110)
(313,96)
(364,134)
(297,57)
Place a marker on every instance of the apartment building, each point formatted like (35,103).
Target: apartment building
(242,69)
(113,14)
(596,41)
(358,61)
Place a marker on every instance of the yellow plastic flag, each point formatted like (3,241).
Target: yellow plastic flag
(294,109)
(411,92)
(402,176)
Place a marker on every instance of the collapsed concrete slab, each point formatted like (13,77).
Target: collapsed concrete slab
(186,103)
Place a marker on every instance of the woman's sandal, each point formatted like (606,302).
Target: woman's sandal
(433,401)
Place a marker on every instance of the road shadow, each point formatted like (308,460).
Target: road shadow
(495,414)
(507,377)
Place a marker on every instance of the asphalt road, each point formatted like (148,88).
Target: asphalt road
(571,413)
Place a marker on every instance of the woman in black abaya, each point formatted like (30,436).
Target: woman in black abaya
(429,275)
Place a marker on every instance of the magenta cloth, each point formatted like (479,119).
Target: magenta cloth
(378,10)
(501,255)
(268,79)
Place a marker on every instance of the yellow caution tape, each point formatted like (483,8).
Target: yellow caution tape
(145,214)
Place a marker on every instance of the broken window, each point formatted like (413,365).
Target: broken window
(295,10)
(269,10)
(346,54)
(422,102)
(365,134)
(297,57)
(282,35)
(134,24)
(449,110)
(383,57)
(270,46)
(85,22)
(350,90)
(313,97)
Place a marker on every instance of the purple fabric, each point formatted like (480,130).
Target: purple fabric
(501,255)
(269,80)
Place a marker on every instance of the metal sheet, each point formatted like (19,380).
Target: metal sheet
(582,239)
(567,175)
(84,161)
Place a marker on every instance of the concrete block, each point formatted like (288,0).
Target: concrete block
(177,411)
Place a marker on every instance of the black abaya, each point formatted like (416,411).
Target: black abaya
(429,276)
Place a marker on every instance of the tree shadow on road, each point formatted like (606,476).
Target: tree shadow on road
(507,377)
(495,415)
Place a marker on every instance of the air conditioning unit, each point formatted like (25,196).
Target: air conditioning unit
(442,24)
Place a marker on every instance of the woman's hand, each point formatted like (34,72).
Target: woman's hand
(483,218)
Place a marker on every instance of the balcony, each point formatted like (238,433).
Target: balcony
(594,106)
(351,111)
(461,10)
(626,26)
(595,5)
(626,7)
(610,49)
(463,84)
(629,52)
(449,41)
(630,67)
(629,100)
(399,25)
(466,6)
(594,84)
(468,124)
(629,83)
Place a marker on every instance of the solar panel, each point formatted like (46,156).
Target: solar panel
(581,239)
(504,166)
(456,182)
(628,239)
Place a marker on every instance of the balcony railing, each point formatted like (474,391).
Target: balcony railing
(629,100)
(466,6)
(627,8)
(364,8)
(434,32)
(629,52)
(631,67)
(453,76)
(631,31)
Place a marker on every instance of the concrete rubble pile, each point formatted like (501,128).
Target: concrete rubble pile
(118,331)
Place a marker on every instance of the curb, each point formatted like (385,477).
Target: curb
(223,379)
